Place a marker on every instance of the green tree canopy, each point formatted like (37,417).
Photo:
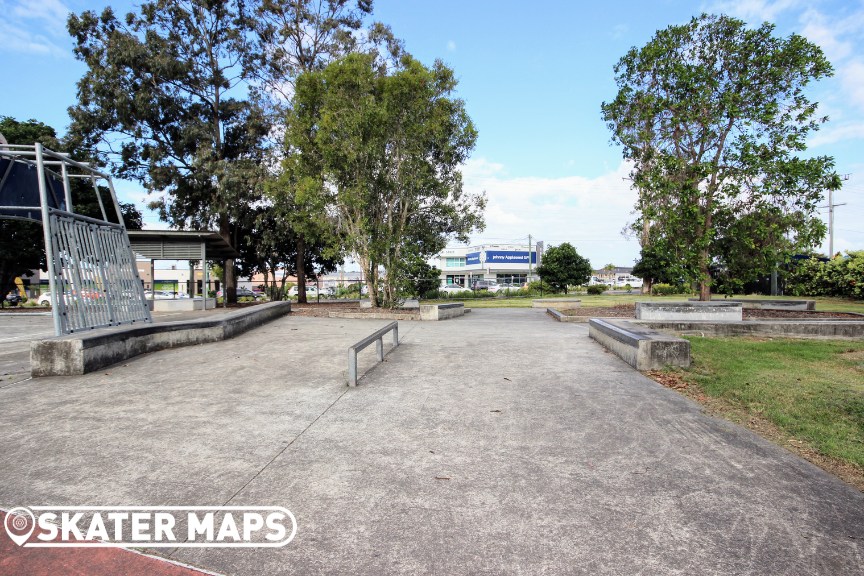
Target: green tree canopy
(714,115)
(382,150)
(562,266)
(164,93)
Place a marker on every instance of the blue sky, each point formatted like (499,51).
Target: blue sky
(533,76)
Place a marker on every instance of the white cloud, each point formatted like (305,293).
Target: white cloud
(587,212)
(754,11)
(37,28)
(851,77)
(837,133)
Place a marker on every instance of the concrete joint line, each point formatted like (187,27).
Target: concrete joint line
(282,451)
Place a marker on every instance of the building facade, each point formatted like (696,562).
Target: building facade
(503,263)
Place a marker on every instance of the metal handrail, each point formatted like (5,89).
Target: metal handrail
(378,338)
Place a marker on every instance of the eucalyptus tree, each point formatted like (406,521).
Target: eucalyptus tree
(388,143)
(297,37)
(165,95)
(714,116)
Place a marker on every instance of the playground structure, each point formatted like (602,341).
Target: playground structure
(91,267)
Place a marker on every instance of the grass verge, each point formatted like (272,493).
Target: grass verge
(807,395)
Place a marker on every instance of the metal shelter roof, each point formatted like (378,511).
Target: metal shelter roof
(180,244)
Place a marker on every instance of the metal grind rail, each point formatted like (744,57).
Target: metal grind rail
(378,338)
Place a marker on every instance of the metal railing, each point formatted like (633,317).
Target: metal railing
(378,338)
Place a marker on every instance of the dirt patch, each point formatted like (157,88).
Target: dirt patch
(619,311)
(847,472)
(323,309)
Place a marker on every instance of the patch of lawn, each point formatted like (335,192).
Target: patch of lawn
(812,390)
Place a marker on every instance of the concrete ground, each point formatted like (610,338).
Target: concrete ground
(498,443)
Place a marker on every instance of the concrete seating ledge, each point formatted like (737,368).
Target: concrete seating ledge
(561,317)
(819,328)
(639,346)
(796,305)
(436,312)
(722,311)
(85,352)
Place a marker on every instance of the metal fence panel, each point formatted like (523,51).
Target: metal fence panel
(95,278)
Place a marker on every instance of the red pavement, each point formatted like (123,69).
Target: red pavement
(18,561)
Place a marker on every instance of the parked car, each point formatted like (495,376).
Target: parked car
(488,285)
(246,293)
(13,298)
(453,289)
(159,295)
(44,299)
(311,291)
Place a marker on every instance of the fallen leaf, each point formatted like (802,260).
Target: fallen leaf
(507,379)
(495,411)
(442,478)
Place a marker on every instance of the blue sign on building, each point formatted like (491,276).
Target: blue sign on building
(472,258)
(498,257)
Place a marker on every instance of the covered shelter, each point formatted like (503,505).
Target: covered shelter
(183,245)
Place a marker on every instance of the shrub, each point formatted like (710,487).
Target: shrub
(665,290)
(840,276)
(596,289)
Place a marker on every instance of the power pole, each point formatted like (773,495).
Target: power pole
(831,206)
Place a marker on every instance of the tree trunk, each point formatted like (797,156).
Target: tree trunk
(229,291)
(646,286)
(705,283)
(301,270)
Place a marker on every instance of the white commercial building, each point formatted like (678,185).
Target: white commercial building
(504,263)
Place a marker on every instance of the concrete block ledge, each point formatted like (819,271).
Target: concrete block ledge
(797,305)
(561,317)
(641,347)
(89,351)
(436,312)
(834,328)
(666,311)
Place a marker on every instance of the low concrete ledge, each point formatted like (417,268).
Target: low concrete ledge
(775,328)
(557,303)
(561,317)
(437,312)
(667,311)
(795,305)
(89,351)
(641,347)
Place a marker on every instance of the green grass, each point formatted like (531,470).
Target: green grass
(813,390)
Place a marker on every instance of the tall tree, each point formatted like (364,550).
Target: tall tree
(164,91)
(713,114)
(389,143)
(297,37)
(563,266)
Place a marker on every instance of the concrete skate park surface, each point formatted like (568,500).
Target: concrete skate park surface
(501,442)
